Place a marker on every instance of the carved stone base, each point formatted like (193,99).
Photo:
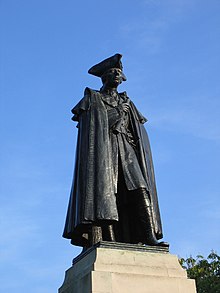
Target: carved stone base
(123,268)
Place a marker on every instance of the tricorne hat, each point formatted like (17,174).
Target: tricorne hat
(111,62)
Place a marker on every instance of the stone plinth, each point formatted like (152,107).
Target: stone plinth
(122,268)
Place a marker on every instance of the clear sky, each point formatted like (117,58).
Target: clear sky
(172,62)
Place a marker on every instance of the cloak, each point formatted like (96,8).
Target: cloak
(92,197)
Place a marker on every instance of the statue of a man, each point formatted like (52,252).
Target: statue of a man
(113,196)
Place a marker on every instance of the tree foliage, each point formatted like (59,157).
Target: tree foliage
(206,272)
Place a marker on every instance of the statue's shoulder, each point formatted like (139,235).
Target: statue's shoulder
(89,92)
(82,105)
(93,97)
(87,97)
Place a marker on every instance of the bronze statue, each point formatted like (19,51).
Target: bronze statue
(113,196)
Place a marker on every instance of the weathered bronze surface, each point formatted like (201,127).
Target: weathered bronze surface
(113,196)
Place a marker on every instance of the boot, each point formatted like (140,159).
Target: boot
(95,235)
(145,219)
(150,235)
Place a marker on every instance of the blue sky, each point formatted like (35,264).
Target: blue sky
(171,60)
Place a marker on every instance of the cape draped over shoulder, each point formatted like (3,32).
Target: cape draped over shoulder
(92,197)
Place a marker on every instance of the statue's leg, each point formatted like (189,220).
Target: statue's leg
(108,233)
(99,233)
(145,218)
(95,235)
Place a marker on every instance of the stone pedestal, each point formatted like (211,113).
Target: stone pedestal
(123,268)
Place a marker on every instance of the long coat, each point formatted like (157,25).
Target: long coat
(92,197)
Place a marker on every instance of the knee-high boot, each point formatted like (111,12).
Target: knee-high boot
(145,218)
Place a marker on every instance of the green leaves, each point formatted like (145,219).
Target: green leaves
(206,272)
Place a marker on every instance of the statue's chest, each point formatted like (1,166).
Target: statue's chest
(112,101)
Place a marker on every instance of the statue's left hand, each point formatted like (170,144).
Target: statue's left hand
(125,107)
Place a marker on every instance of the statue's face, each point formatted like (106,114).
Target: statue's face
(113,77)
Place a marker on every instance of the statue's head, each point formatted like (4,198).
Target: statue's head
(113,77)
(110,71)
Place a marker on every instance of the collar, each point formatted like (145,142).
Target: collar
(110,92)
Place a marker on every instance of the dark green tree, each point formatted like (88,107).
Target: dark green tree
(206,272)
